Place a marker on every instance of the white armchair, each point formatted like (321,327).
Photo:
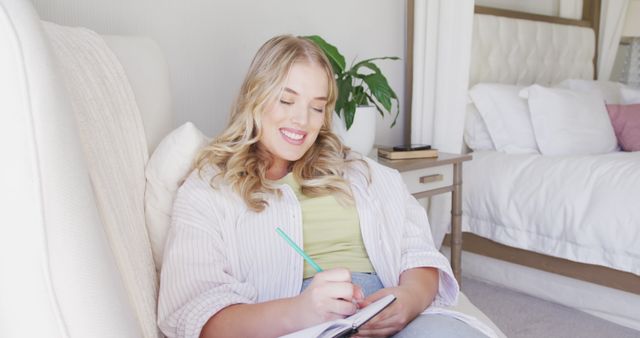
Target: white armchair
(60,274)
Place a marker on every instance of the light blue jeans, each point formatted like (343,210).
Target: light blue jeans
(431,325)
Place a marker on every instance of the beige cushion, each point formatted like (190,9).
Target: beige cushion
(166,170)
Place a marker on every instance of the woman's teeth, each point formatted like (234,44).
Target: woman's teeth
(291,135)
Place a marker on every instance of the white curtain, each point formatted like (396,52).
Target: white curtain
(612,16)
(442,49)
(442,52)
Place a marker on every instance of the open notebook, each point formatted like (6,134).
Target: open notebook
(347,326)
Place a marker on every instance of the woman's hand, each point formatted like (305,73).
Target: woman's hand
(415,293)
(331,295)
(395,317)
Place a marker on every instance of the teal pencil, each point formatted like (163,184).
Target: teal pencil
(298,250)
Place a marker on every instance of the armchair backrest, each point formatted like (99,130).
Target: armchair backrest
(146,69)
(59,276)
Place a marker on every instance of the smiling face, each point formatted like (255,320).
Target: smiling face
(291,124)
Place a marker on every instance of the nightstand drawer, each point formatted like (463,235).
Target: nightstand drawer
(428,179)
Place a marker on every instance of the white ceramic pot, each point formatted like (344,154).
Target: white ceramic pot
(361,135)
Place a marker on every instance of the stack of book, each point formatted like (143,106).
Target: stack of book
(390,154)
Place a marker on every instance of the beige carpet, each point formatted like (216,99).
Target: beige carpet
(522,316)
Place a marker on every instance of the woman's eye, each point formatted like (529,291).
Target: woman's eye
(286,102)
(319,110)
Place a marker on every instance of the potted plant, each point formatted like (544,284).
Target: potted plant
(361,87)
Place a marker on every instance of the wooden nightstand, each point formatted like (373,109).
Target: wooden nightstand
(426,177)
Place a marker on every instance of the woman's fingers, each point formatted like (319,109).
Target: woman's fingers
(393,320)
(380,319)
(358,295)
(337,283)
(335,290)
(333,293)
(375,296)
(333,275)
(383,327)
(332,306)
(342,307)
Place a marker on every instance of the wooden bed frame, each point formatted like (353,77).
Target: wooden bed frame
(600,275)
(597,274)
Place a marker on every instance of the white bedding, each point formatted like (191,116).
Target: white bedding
(582,208)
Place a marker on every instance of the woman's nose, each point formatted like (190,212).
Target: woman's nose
(299,115)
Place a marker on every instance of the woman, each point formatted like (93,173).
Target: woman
(227,273)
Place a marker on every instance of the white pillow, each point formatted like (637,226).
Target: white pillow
(506,116)
(609,90)
(476,135)
(568,122)
(629,95)
(166,170)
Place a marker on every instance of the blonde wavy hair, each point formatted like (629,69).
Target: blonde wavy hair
(243,164)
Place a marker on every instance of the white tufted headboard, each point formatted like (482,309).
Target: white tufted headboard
(523,52)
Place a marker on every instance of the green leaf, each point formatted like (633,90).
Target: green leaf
(380,109)
(359,64)
(369,65)
(349,113)
(364,101)
(336,59)
(397,114)
(344,89)
(359,96)
(380,89)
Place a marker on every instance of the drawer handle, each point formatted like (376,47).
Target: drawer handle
(431,178)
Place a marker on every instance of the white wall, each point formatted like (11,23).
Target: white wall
(209,43)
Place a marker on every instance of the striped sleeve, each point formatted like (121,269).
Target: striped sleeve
(419,250)
(417,246)
(195,282)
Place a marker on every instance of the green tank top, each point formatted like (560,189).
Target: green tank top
(331,232)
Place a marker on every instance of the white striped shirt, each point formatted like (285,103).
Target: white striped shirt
(218,252)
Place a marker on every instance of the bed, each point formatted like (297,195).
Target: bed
(580,208)
(564,227)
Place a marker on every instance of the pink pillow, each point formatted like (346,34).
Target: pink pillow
(626,124)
